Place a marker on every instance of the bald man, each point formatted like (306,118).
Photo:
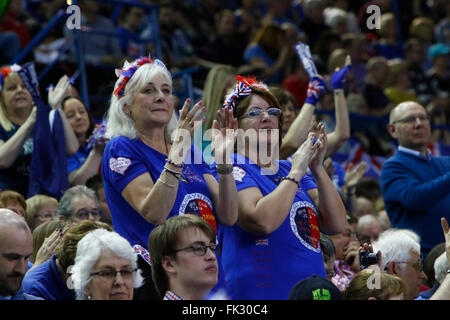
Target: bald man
(415,184)
(16,246)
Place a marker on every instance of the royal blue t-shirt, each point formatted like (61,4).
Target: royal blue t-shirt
(126,159)
(45,281)
(76,161)
(266,267)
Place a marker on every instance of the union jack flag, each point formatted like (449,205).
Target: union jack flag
(315,88)
(242,89)
(143,253)
(262,242)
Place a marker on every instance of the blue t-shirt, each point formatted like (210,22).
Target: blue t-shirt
(126,159)
(76,161)
(266,267)
(16,177)
(45,281)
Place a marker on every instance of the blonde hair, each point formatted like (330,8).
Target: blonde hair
(4,120)
(214,91)
(422,28)
(336,59)
(396,67)
(390,286)
(11,196)
(34,204)
(118,122)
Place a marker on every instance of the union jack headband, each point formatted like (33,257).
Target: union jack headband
(129,69)
(5,71)
(242,89)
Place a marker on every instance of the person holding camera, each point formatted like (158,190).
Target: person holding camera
(400,252)
(346,264)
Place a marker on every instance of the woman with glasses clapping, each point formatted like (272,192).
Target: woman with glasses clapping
(276,238)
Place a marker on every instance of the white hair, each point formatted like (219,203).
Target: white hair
(365,221)
(396,245)
(333,16)
(441,267)
(118,122)
(89,250)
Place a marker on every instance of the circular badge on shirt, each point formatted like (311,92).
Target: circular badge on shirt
(200,205)
(305,224)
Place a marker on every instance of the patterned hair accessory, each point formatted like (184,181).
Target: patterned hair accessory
(129,69)
(242,89)
(5,71)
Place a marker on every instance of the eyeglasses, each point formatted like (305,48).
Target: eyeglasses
(112,274)
(257,112)
(418,265)
(45,215)
(413,119)
(199,249)
(84,213)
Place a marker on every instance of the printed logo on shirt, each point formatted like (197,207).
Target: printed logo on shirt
(28,146)
(305,224)
(238,173)
(199,205)
(119,165)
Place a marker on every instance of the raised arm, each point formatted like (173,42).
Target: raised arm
(55,97)
(10,149)
(342,132)
(332,218)
(224,193)
(264,214)
(154,200)
(443,292)
(298,131)
(89,168)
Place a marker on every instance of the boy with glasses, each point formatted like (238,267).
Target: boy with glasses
(183,253)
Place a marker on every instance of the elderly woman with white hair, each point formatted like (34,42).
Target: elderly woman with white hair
(148,176)
(105,267)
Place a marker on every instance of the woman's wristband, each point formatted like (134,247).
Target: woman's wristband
(179,166)
(291,179)
(224,168)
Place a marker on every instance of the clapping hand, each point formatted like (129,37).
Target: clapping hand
(57,94)
(320,150)
(223,139)
(182,135)
(302,157)
(354,174)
